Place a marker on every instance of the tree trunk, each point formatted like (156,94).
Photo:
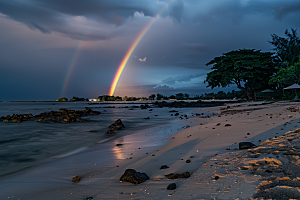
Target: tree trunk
(248,91)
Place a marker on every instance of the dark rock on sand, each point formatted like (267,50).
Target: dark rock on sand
(110,132)
(178,175)
(119,144)
(164,167)
(188,161)
(132,176)
(171,186)
(144,106)
(246,145)
(118,125)
(76,179)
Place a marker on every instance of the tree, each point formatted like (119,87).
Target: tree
(249,69)
(287,49)
(159,96)
(287,75)
(62,99)
(152,96)
(179,96)
(186,95)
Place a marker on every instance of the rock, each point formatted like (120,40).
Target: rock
(109,132)
(246,145)
(132,176)
(164,167)
(119,144)
(171,186)
(227,124)
(118,125)
(144,106)
(178,175)
(188,161)
(176,114)
(76,179)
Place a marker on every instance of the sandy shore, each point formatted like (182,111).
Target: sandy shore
(218,168)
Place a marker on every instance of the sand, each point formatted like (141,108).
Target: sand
(219,170)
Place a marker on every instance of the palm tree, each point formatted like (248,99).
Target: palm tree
(287,49)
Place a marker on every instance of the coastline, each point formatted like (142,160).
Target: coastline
(204,145)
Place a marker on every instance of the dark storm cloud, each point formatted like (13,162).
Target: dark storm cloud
(198,47)
(52,15)
(179,79)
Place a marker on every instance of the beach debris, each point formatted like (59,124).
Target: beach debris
(246,145)
(227,148)
(176,114)
(132,176)
(93,131)
(147,118)
(119,144)
(178,175)
(89,198)
(227,124)
(171,186)
(118,125)
(293,109)
(164,167)
(188,161)
(76,179)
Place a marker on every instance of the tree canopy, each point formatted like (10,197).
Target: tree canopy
(249,69)
(287,58)
(287,48)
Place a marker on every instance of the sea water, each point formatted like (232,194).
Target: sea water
(30,143)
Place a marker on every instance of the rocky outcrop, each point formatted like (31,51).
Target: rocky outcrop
(118,125)
(17,118)
(61,116)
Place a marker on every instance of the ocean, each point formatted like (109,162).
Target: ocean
(30,143)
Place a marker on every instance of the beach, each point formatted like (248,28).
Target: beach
(218,168)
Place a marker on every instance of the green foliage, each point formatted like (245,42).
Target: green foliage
(78,99)
(159,96)
(249,69)
(223,95)
(287,75)
(287,48)
(152,97)
(62,99)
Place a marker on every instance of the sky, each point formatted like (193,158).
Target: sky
(55,48)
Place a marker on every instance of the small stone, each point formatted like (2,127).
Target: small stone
(164,167)
(188,161)
(119,144)
(171,186)
(76,179)
(227,124)
(227,148)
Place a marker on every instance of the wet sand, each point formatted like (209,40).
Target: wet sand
(218,168)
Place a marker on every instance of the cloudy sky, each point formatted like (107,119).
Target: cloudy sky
(54,48)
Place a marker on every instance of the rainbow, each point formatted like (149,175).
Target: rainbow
(131,50)
(71,67)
